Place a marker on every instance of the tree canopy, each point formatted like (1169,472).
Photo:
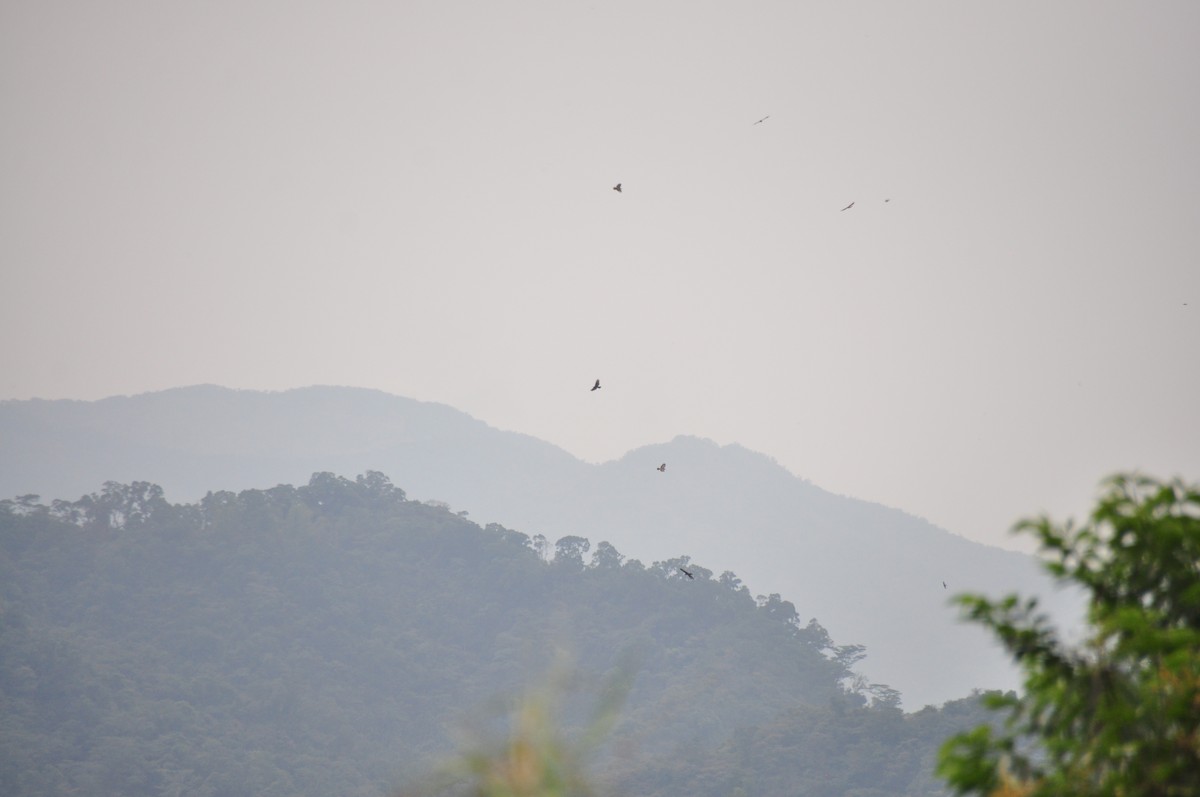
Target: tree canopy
(1118,714)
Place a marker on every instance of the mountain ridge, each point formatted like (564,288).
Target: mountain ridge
(870,573)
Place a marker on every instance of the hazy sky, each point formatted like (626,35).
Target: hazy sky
(416,197)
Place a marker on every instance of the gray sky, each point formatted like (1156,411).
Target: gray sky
(416,197)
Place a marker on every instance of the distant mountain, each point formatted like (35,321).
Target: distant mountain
(870,574)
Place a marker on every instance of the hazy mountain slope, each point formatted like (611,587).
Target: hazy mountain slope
(871,574)
(195,439)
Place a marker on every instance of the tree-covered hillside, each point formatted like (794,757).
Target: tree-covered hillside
(333,638)
(872,573)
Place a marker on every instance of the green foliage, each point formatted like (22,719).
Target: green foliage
(1119,714)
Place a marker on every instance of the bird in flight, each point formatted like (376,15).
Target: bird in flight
(760,121)
(597,385)
(617,188)
(686,573)
(662,468)
(848,206)
(944,585)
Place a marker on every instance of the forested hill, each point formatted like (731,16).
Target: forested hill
(873,573)
(331,638)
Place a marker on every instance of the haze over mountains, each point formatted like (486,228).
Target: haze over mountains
(871,575)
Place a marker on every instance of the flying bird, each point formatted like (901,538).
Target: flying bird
(662,468)
(848,206)
(617,188)
(686,573)
(597,385)
(944,585)
(760,121)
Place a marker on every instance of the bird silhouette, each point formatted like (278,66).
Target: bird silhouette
(662,468)
(617,188)
(760,121)
(944,585)
(848,206)
(597,385)
(686,573)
